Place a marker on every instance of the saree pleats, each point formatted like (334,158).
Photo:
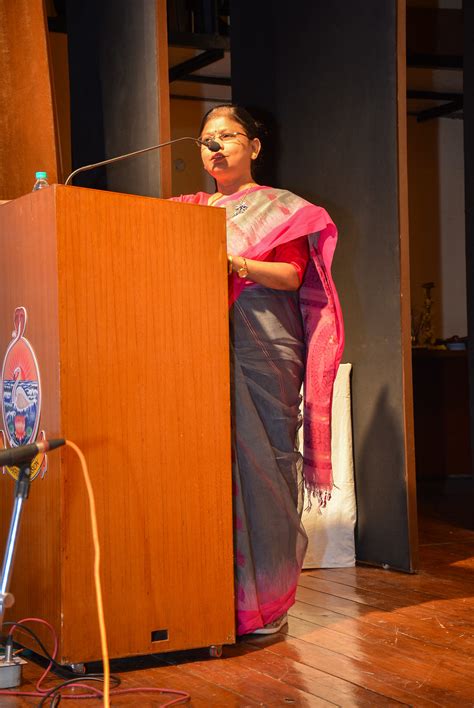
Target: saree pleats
(267,368)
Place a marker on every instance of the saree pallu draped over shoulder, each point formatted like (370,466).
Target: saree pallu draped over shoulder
(275,217)
(278,338)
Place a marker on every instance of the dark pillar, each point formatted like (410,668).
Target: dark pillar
(114,92)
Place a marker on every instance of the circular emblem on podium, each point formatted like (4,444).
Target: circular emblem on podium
(21,391)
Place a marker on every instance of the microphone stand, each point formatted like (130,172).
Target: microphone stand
(132,154)
(22,489)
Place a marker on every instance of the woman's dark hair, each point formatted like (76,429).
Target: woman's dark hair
(252,128)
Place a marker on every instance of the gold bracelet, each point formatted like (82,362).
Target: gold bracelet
(229,264)
(243,271)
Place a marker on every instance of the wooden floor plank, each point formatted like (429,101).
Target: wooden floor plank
(404,657)
(421,587)
(425,626)
(251,683)
(390,600)
(366,626)
(172,677)
(427,584)
(353,639)
(314,681)
(423,619)
(395,681)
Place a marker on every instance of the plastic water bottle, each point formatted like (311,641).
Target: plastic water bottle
(41,181)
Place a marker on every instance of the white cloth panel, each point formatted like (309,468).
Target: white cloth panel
(331,532)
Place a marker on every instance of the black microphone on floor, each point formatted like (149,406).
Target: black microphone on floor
(211,145)
(16,456)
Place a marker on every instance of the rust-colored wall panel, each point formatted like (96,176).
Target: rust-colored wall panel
(163,96)
(27,130)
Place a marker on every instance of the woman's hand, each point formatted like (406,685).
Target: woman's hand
(279,276)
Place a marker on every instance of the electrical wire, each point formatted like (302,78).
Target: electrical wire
(32,634)
(91,692)
(59,668)
(182,696)
(98,587)
(20,625)
(53,692)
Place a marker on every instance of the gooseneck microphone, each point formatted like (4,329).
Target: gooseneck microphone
(211,145)
(16,456)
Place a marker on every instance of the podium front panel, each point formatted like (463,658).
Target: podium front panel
(138,363)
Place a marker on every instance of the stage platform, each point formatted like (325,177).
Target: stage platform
(356,637)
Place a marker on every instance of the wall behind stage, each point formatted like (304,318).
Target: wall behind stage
(437,222)
(325,74)
(187,174)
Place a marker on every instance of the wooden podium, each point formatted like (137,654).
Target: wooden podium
(126,300)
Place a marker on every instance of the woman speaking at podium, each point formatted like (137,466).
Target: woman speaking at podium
(285,328)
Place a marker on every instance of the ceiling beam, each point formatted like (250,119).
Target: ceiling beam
(433,95)
(215,80)
(440,111)
(198,41)
(210,56)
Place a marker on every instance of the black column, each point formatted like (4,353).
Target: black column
(114,91)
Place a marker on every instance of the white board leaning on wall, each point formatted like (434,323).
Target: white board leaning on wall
(331,533)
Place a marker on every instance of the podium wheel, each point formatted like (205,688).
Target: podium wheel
(215,651)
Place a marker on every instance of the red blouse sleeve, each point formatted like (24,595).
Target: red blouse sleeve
(295,252)
(198,198)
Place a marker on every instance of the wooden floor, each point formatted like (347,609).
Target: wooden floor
(356,637)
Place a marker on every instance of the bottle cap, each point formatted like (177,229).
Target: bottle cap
(41,175)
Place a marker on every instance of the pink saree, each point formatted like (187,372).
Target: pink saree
(278,337)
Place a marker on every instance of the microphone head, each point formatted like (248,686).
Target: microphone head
(212,145)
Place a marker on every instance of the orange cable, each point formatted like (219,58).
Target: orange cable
(98,589)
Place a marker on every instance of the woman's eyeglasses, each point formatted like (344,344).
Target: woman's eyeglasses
(223,137)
